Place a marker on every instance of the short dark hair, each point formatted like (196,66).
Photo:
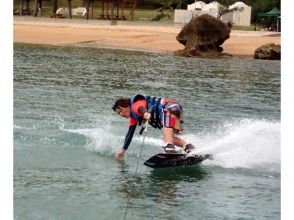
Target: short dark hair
(121,102)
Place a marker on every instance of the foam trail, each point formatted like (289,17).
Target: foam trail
(106,141)
(150,141)
(246,143)
(100,139)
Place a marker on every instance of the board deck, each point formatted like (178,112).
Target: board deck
(162,160)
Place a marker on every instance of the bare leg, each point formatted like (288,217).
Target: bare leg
(168,137)
(179,142)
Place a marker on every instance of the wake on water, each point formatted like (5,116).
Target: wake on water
(240,144)
(246,143)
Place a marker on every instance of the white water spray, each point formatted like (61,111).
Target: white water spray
(246,143)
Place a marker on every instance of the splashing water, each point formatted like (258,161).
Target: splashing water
(246,143)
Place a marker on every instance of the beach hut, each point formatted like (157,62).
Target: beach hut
(239,14)
(62,12)
(198,5)
(215,9)
(237,5)
(212,6)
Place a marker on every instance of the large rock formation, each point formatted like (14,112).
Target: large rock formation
(268,52)
(203,36)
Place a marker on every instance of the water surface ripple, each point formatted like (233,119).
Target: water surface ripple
(65,136)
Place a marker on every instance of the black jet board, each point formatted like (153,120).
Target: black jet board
(162,160)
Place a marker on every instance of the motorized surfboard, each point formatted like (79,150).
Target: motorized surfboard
(162,160)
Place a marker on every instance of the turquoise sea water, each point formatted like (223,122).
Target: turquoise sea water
(66,135)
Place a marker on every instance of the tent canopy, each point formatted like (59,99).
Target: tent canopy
(275,12)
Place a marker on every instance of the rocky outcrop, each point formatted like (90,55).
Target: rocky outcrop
(268,52)
(203,36)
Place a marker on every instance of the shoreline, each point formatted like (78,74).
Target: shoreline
(157,37)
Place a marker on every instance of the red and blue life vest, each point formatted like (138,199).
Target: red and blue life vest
(154,106)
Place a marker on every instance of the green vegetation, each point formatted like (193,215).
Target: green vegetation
(141,13)
(155,10)
(244,28)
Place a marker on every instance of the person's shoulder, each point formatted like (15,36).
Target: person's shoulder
(132,121)
(136,106)
(139,103)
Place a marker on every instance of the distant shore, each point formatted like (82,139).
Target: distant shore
(141,36)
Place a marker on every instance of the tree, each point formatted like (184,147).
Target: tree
(69,5)
(166,9)
(55,6)
(38,8)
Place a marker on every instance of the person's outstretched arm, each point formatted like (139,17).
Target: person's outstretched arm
(121,154)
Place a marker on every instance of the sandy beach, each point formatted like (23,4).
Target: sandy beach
(142,36)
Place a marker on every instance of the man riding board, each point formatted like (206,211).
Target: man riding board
(162,113)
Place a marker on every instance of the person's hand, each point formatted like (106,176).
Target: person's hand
(147,115)
(119,156)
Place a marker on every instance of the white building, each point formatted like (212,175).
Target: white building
(184,16)
(198,5)
(198,8)
(80,11)
(239,14)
